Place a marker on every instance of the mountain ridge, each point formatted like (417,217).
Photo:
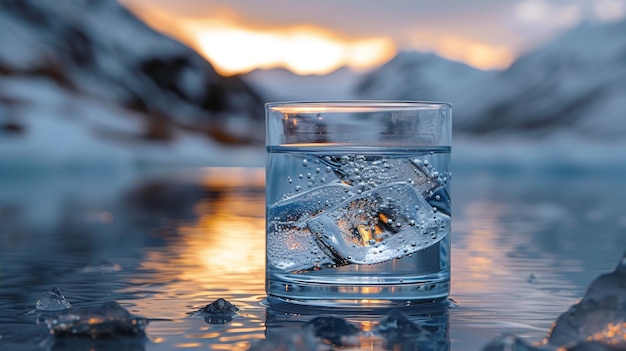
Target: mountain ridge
(574,83)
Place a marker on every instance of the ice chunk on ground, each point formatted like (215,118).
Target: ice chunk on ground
(219,311)
(599,316)
(109,319)
(290,244)
(53,301)
(387,222)
(337,331)
(366,172)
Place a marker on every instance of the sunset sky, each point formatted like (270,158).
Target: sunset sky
(316,37)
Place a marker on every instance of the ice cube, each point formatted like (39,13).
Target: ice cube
(219,311)
(426,179)
(107,320)
(366,172)
(53,301)
(387,222)
(599,316)
(290,244)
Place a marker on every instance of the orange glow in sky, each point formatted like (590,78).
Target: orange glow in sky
(303,49)
(234,47)
(456,48)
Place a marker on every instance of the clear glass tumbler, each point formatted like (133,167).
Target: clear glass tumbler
(358,203)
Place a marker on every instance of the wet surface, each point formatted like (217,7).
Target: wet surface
(526,245)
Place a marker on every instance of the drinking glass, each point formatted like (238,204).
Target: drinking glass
(357,203)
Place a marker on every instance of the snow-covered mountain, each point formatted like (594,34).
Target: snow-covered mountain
(110,80)
(422,77)
(576,84)
(85,80)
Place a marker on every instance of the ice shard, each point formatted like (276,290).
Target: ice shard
(290,244)
(106,320)
(53,301)
(600,315)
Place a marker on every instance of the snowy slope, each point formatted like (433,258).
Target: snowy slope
(57,130)
(98,49)
(85,82)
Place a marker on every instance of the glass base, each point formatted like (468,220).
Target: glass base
(289,295)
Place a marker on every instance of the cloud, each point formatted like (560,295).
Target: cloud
(610,10)
(545,14)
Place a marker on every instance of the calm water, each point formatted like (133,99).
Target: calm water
(525,244)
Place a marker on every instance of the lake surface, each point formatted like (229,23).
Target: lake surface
(525,245)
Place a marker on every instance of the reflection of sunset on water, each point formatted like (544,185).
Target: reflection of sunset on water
(486,268)
(222,252)
(219,254)
(228,237)
(476,256)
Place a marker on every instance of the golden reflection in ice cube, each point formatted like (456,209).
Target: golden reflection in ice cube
(365,233)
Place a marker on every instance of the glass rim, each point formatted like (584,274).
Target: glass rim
(354,105)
